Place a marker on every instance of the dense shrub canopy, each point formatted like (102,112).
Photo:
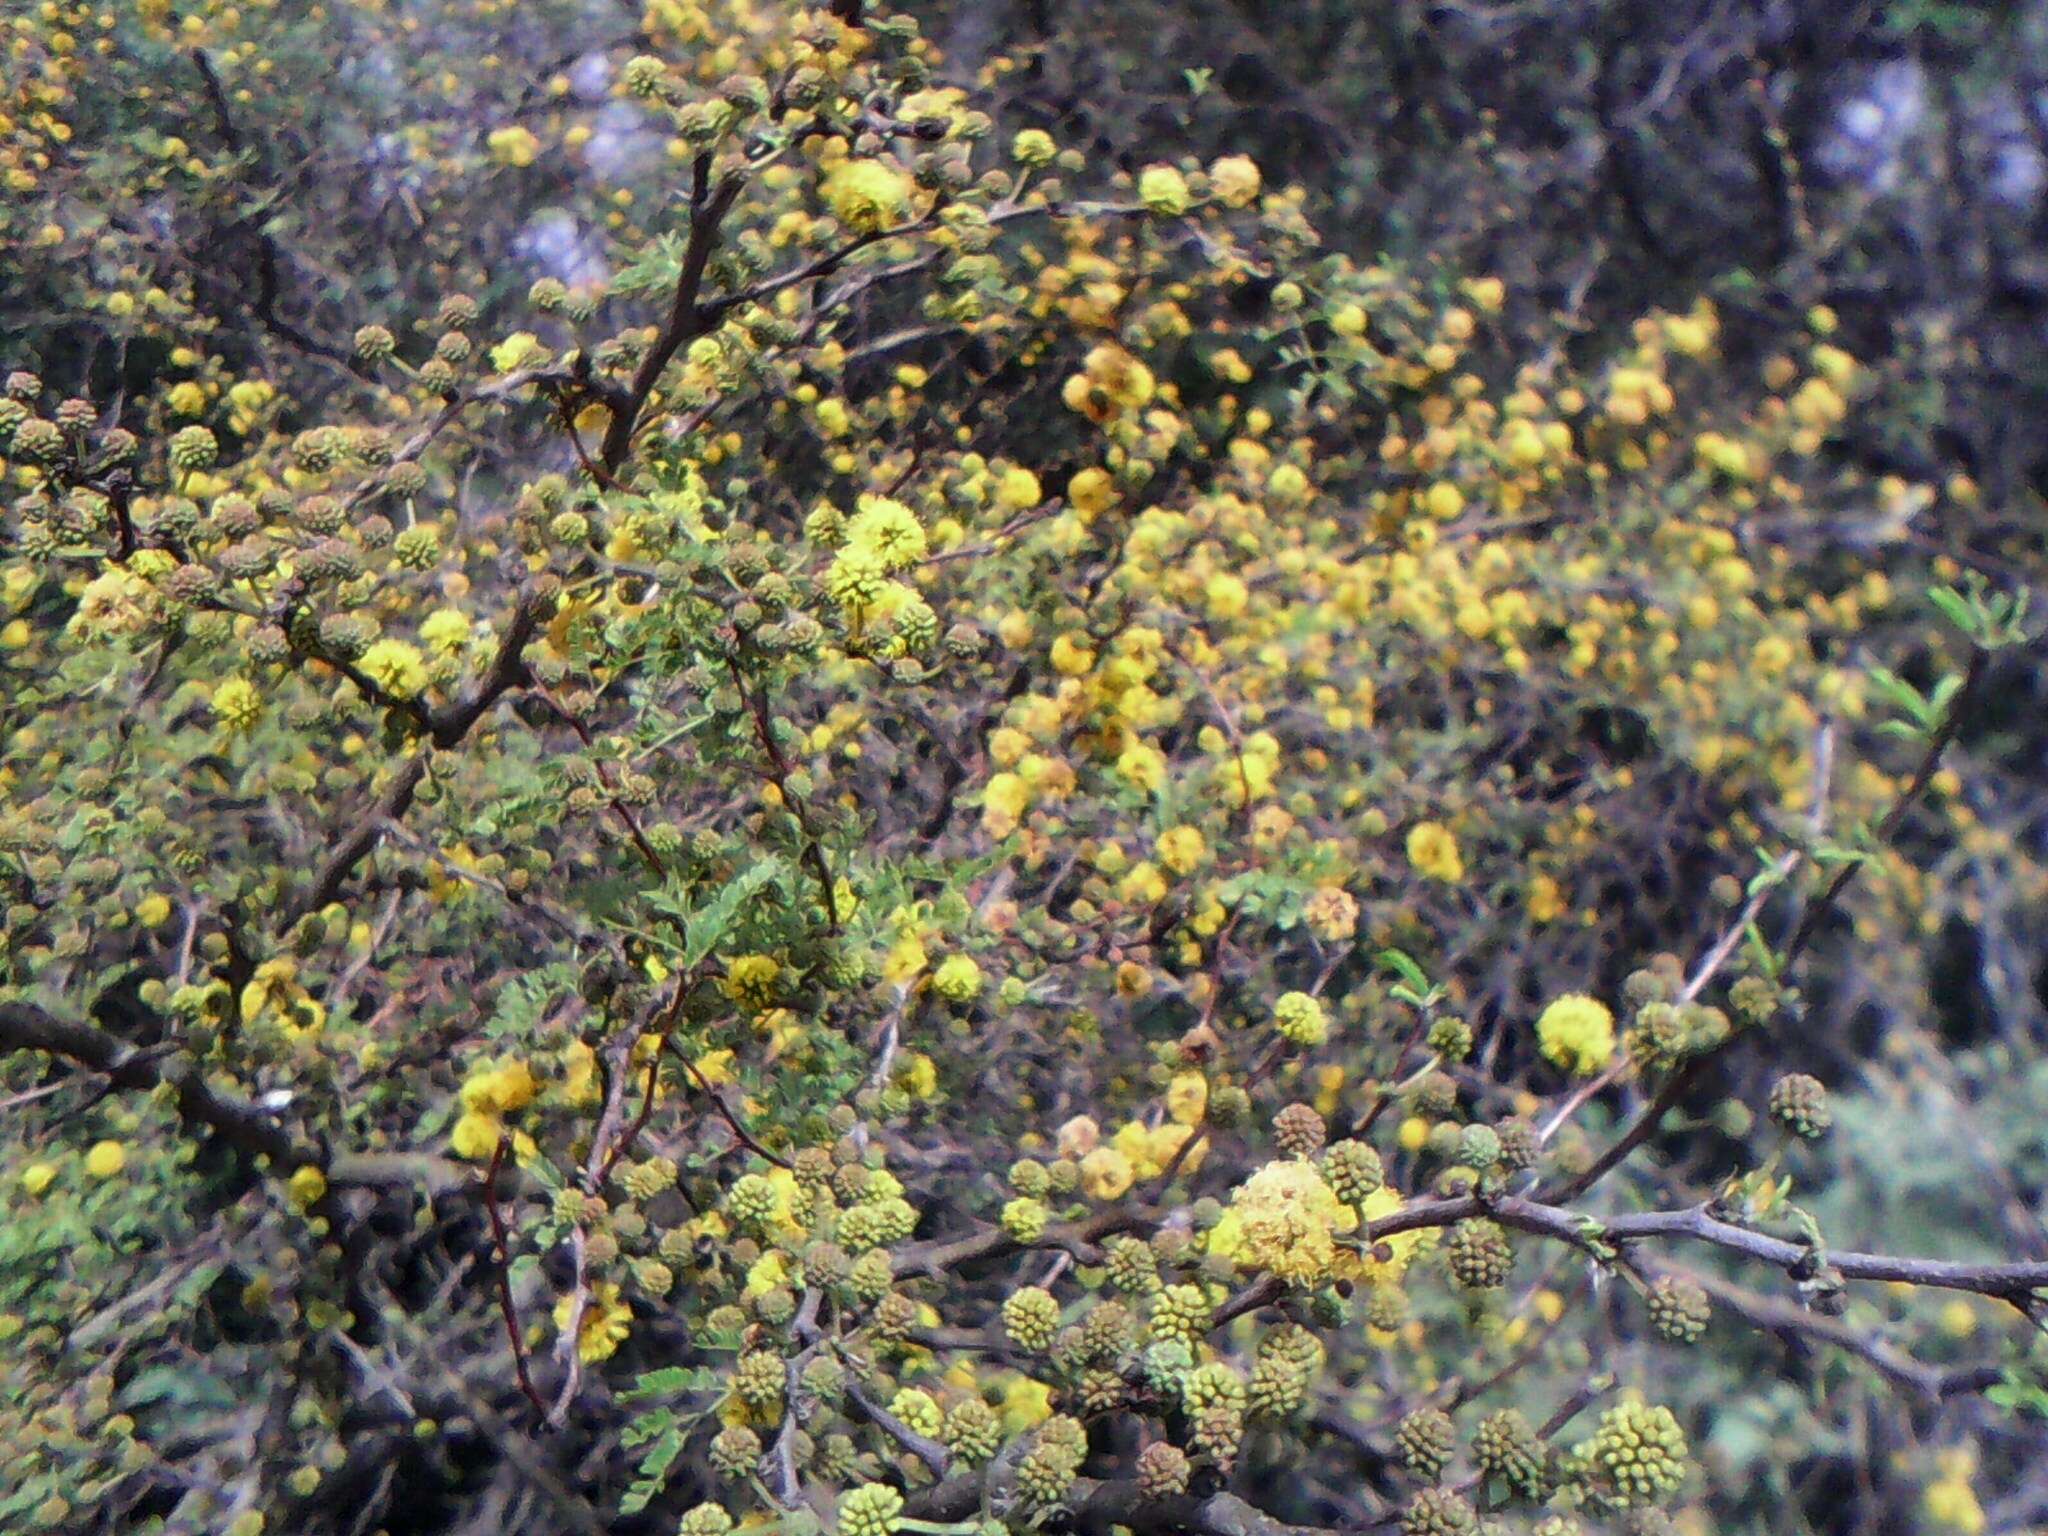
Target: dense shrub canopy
(736,794)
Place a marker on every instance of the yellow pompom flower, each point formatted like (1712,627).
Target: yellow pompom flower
(1434,852)
(1033,147)
(396,667)
(867,196)
(106,1159)
(957,979)
(1018,490)
(1163,190)
(36,1178)
(607,1319)
(1577,1033)
(514,350)
(1300,1019)
(237,706)
(1236,180)
(857,576)
(1091,491)
(1949,1500)
(1003,804)
(750,980)
(1182,849)
(446,630)
(889,529)
(1142,766)
(305,1187)
(1106,1174)
(512,145)
(1286,1220)
(500,1090)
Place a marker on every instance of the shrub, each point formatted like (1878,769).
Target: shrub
(550,867)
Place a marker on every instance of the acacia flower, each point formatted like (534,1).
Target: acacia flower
(1577,1033)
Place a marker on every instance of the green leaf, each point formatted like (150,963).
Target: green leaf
(653,1471)
(671,1380)
(706,925)
(1405,967)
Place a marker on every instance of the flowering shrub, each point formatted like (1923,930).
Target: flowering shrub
(982,844)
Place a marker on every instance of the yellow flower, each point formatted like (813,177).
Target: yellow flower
(237,706)
(889,530)
(305,1187)
(1091,491)
(1025,1402)
(446,630)
(154,910)
(1284,1219)
(394,666)
(1577,1033)
(512,145)
(1544,899)
(275,989)
(501,1090)
(867,196)
(750,980)
(1434,852)
(475,1135)
(187,398)
(37,1177)
(958,979)
(1286,1222)
(1142,766)
(1225,595)
(1003,804)
(1300,1019)
(1071,656)
(1187,1098)
(905,960)
(1033,146)
(1331,913)
(1949,1500)
(1181,849)
(515,350)
(607,1319)
(1236,179)
(1110,382)
(1164,190)
(106,1159)
(1106,1173)
(1018,490)
(1443,501)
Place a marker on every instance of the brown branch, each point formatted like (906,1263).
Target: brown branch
(1093,1505)
(501,1240)
(1651,1117)
(935,1258)
(243,1125)
(449,724)
(2006,1281)
(923,1447)
(1789,1320)
(687,319)
(1930,763)
(725,1110)
(356,845)
(778,769)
